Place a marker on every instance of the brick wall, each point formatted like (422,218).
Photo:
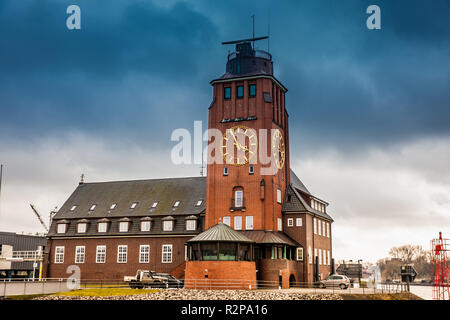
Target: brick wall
(220,270)
(112,269)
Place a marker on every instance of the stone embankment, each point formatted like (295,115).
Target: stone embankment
(205,295)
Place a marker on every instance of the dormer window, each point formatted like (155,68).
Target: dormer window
(155,204)
(176,204)
(92,208)
(81,227)
(123,226)
(133,205)
(113,206)
(145,226)
(168,225)
(199,203)
(73,208)
(61,228)
(102,226)
(191,225)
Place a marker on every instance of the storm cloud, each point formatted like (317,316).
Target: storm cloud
(369,110)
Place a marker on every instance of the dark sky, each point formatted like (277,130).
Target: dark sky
(138,64)
(369,109)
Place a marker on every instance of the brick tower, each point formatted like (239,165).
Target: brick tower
(249,109)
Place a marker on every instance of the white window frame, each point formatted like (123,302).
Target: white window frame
(225,171)
(100,254)
(248,222)
(290,222)
(191,225)
(100,226)
(167,253)
(61,228)
(124,226)
(299,254)
(238,223)
(59,254)
(324,229)
(319,227)
(80,252)
(315,225)
(320,257)
(251,169)
(298,222)
(279,196)
(122,253)
(144,253)
(329,257)
(279,224)
(168,225)
(147,224)
(328,229)
(315,254)
(227,220)
(82,227)
(238,198)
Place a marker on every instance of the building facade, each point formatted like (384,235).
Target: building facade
(21,255)
(250,213)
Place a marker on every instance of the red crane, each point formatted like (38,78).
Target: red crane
(440,274)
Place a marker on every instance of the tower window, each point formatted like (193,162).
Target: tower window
(227,93)
(251,170)
(238,200)
(240,91)
(252,90)
(225,171)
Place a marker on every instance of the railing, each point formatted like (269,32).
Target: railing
(10,287)
(234,207)
(258,53)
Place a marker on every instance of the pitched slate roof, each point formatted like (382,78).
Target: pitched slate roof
(296,182)
(298,203)
(145,192)
(220,232)
(269,237)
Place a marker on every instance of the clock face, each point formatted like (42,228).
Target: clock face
(239,145)
(278,149)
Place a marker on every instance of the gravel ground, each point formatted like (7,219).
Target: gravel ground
(178,294)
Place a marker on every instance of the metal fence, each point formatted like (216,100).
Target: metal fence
(11,287)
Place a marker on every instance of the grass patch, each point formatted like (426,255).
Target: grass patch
(381,296)
(105,292)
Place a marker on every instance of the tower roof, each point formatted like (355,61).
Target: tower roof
(220,233)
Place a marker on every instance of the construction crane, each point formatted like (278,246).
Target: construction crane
(39,217)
